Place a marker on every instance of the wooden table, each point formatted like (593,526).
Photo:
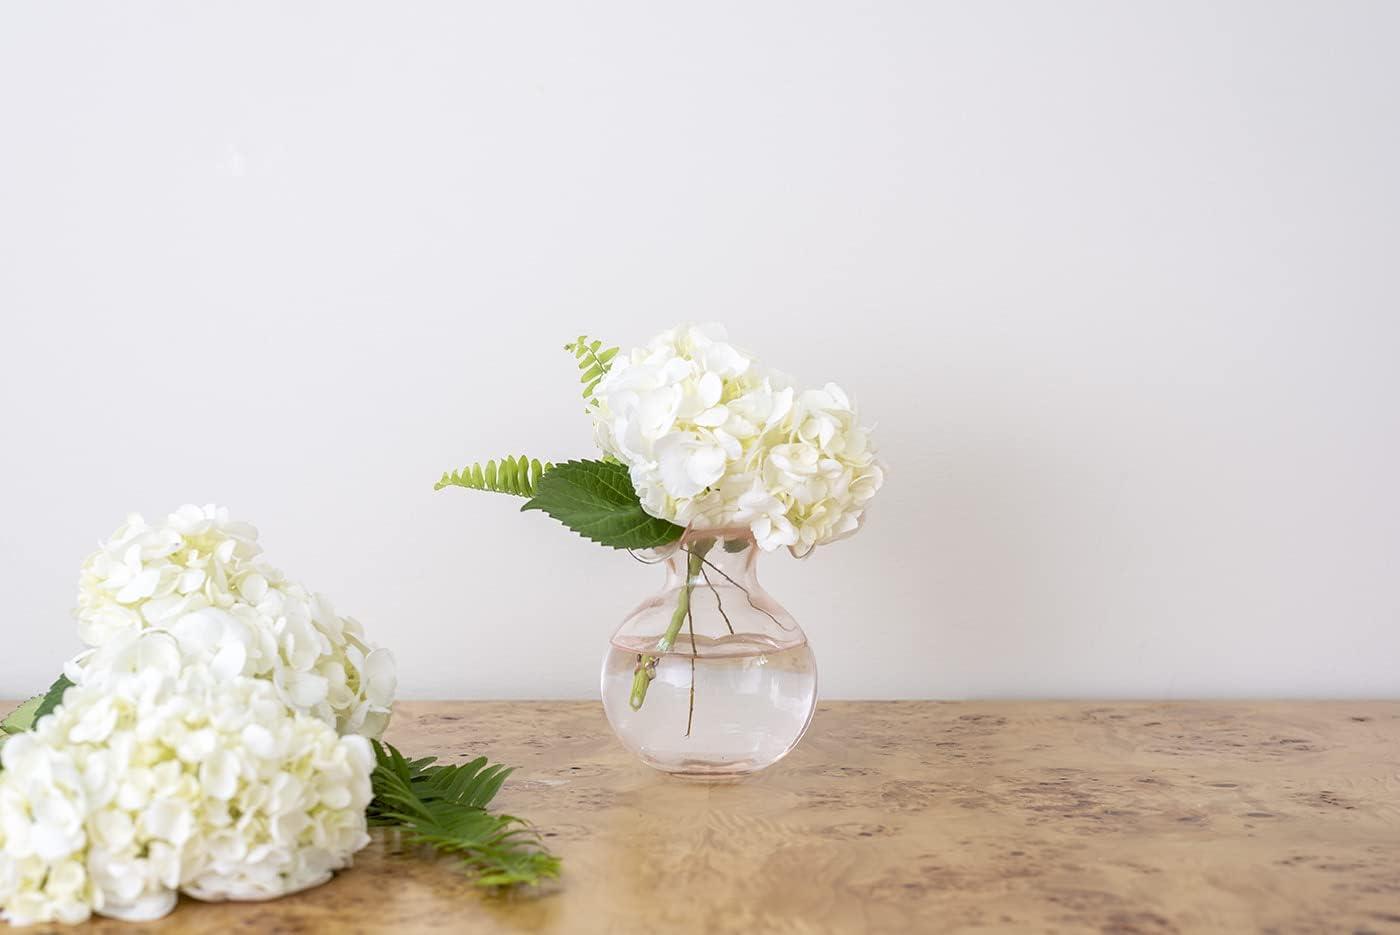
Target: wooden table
(913,817)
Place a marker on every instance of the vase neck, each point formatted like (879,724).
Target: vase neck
(715,557)
(713,599)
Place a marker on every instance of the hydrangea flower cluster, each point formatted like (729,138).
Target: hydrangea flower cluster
(712,439)
(214,741)
(160,775)
(201,577)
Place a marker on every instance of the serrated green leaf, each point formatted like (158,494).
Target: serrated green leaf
(24,717)
(53,697)
(596,500)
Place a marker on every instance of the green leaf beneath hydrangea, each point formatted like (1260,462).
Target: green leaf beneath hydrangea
(20,719)
(596,499)
(24,717)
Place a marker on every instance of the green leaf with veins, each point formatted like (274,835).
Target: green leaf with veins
(24,717)
(53,697)
(596,499)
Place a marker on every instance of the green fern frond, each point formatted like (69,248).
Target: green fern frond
(515,476)
(594,360)
(444,807)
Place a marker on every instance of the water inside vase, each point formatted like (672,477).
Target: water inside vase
(725,706)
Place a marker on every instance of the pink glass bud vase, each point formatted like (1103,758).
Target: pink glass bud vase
(710,677)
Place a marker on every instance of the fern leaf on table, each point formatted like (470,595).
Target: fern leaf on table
(515,476)
(594,360)
(444,807)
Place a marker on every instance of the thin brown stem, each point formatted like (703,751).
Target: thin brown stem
(718,600)
(747,596)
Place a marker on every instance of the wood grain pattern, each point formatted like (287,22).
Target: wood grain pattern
(914,817)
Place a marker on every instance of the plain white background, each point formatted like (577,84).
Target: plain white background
(1117,281)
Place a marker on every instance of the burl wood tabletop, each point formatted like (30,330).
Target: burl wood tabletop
(912,817)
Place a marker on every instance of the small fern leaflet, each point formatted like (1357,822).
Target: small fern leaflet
(516,476)
(594,360)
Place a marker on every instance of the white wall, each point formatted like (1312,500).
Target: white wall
(1117,280)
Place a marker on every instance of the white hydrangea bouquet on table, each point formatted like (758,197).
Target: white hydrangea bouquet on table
(708,459)
(219,738)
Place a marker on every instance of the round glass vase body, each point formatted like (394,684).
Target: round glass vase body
(710,677)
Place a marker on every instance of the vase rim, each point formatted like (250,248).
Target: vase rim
(716,532)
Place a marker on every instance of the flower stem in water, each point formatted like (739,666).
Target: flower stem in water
(646,665)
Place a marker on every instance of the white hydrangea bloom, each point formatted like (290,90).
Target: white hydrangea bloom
(200,576)
(712,439)
(160,776)
(148,575)
(819,463)
(43,809)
